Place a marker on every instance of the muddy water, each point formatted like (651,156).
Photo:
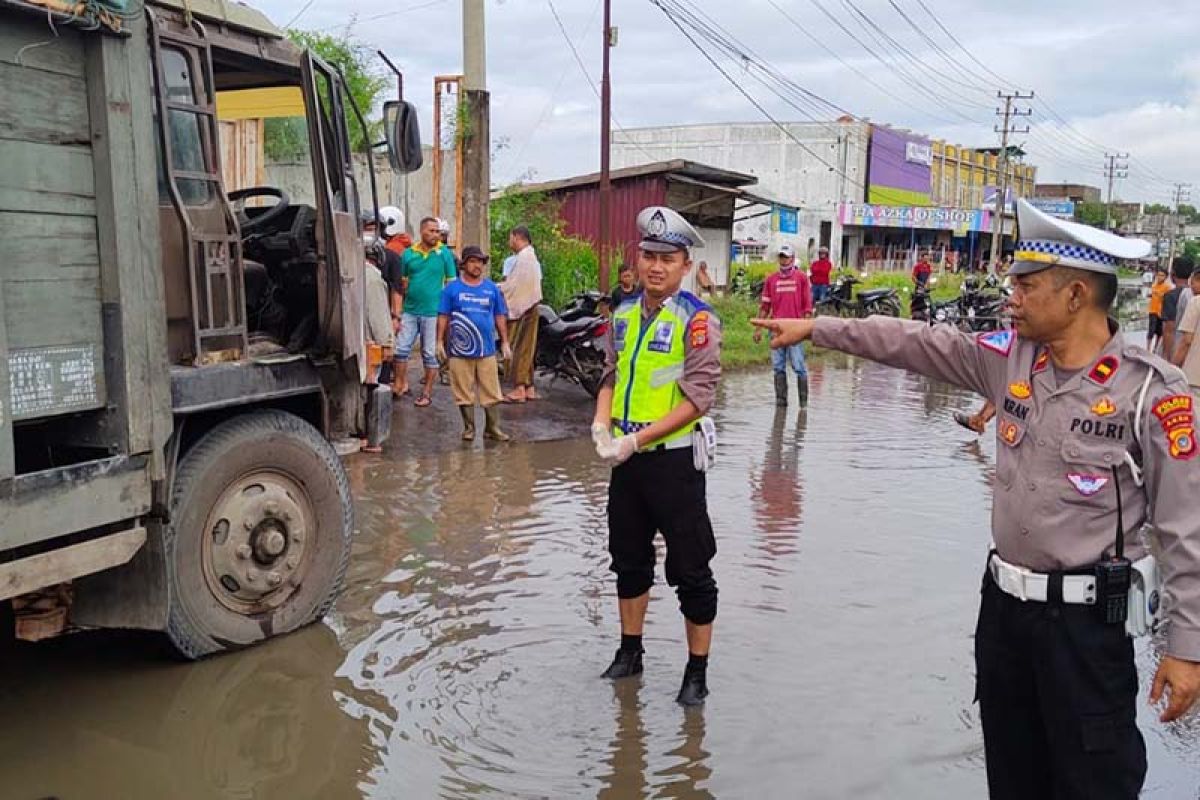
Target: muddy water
(462,659)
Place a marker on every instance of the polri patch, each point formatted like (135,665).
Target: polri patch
(1087,485)
(997,341)
(1021,390)
(1104,407)
(661,341)
(1104,370)
(698,330)
(1177,416)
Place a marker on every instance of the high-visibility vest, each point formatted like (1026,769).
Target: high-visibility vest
(650,363)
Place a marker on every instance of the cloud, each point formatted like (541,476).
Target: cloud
(1122,79)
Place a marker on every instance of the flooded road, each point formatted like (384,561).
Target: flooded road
(462,660)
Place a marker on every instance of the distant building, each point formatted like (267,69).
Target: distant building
(710,198)
(873,194)
(1075,192)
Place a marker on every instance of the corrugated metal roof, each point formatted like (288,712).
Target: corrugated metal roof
(679,166)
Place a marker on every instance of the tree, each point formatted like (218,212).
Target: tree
(1189,213)
(287,138)
(1157,208)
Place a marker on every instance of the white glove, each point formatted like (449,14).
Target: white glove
(624,447)
(602,438)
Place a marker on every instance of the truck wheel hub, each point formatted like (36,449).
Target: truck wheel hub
(258,547)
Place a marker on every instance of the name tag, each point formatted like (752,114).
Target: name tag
(619,330)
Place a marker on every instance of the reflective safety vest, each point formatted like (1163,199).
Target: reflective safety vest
(650,363)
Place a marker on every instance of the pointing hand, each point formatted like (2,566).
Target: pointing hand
(785,332)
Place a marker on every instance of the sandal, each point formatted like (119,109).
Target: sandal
(514,401)
(424,401)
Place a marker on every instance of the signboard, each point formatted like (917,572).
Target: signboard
(1055,207)
(989,199)
(785,220)
(898,168)
(918,153)
(960,220)
(53,380)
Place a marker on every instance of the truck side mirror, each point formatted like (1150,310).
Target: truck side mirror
(403,136)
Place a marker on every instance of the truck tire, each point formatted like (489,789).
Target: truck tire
(260,533)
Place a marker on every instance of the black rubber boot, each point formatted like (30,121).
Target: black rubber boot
(781,388)
(491,430)
(695,687)
(626,664)
(802,388)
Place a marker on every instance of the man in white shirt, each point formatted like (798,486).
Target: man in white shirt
(1187,351)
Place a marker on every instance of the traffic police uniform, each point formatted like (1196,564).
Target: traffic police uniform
(655,360)
(1057,685)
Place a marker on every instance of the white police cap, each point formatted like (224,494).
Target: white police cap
(665,231)
(1047,241)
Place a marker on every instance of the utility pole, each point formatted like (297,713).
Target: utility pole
(605,242)
(1182,193)
(1008,114)
(1115,167)
(474,126)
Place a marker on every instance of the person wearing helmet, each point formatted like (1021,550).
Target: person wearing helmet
(388,228)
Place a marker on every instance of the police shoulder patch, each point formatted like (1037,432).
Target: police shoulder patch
(1177,416)
(998,341)
(698,329)
(1087,485)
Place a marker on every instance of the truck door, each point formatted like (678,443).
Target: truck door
(340,278)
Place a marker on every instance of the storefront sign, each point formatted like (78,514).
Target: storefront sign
(785,220)
(1055,207)
(918,153)
(921,217)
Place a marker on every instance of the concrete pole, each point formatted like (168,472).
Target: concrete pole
(605,242)
(475,119)
(1008,113)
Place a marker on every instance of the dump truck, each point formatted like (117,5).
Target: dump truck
(178,356)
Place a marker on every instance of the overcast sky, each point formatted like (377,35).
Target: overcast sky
(1123,75)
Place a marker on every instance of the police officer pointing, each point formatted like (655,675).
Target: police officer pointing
(663,365)
(1096,438)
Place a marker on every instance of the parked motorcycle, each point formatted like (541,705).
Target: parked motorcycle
(572,349)
(920,308)
(978,307)
(842,301)
(584,304)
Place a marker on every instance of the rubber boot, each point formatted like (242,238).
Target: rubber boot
(468,418)
(694,688)
(492,429)
(625,664)
(802,389)
(781,388)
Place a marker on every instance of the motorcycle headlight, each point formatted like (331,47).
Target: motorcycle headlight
(940,315)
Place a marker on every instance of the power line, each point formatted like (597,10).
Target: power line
(299,13)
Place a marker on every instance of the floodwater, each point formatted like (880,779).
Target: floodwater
(462,660)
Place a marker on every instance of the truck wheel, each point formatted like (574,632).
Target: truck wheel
(259,539)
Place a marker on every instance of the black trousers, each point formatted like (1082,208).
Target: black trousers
(1057,691)
(662,491)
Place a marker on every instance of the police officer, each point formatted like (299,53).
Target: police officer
(1095,437)
(663,365)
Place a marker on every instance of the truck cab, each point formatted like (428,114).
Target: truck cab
(177,355)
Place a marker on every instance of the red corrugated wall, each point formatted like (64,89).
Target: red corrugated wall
(581,210)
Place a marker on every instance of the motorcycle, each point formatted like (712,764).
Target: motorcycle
(920,308)
(572,349)
(842,302)
(978,308)
(584,304)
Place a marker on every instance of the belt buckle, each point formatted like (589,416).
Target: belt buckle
(1012,579)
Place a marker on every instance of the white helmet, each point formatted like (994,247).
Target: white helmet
(391,219)
(443,226)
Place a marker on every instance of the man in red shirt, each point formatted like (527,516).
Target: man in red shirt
(819,272)
(922,270)
(787,294)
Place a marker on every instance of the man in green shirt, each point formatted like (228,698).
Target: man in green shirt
(424,268)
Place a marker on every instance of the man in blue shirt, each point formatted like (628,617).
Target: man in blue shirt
(471,312)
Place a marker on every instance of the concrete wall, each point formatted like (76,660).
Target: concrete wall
(786,172)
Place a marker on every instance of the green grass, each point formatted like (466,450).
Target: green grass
(738,349)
